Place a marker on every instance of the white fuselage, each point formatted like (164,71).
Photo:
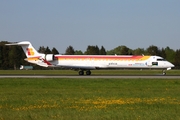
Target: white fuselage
(95,62)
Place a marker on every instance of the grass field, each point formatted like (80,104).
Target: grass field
(79,99)
(94,72)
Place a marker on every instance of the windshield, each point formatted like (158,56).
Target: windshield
(161,59)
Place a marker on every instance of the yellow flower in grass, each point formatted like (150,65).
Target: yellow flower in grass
(94,103)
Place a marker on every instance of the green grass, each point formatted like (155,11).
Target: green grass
(94,72)
(79,99)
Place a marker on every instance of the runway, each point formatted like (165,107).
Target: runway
(117,77)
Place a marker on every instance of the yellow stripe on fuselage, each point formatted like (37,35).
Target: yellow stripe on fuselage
(145,58)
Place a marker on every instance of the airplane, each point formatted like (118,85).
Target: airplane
(87,63)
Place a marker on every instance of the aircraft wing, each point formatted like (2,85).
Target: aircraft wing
(77,67)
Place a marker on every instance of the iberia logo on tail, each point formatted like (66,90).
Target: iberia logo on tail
(30,51)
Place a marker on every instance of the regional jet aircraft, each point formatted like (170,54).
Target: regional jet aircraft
(91,62)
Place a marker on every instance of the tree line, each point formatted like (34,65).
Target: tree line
(11,57)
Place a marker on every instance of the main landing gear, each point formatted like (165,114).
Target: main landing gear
(81,72)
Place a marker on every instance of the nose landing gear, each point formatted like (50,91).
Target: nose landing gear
(164,72)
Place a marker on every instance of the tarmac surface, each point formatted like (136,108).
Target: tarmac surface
(85,76)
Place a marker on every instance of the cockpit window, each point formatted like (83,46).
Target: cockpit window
(161,60)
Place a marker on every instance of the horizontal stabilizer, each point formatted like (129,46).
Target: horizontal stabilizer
(20,43)
(12,44)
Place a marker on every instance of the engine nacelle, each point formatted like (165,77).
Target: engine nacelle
(49,57)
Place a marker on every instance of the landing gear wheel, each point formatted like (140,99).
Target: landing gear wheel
(81,72)
(164,72)
(88,72)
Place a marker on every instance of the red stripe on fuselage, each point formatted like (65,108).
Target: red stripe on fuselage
(99,57)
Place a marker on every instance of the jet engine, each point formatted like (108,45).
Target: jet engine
(49,57)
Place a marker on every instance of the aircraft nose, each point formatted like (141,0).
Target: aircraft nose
(171,65)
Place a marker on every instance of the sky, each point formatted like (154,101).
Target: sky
(79,23)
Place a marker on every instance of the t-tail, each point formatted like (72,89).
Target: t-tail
(27,48)
(32,55)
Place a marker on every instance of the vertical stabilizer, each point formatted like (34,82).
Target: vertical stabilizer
(27,48)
